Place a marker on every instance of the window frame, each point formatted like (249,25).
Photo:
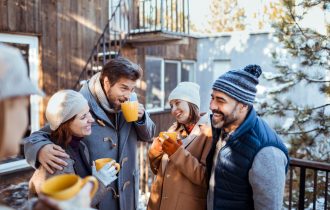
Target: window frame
(166,107)
(33,60)
(194,64)
(179,70)
(162,85)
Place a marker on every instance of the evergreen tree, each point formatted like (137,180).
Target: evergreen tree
(302,63)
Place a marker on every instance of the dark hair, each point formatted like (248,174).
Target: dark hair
(193,115)
(62,135)
(119,68)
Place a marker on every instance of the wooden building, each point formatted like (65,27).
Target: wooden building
(66,41)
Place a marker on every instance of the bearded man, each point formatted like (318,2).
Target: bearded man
(248,161)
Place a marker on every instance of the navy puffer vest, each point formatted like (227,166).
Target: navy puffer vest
(232,188)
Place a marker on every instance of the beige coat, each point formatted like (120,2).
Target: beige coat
(181,181)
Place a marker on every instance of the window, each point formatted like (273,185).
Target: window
(154,78)
(188,72)
(162,77)
(28,45)
(172,78)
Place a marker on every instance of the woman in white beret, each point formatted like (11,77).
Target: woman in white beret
(180,167)
(70,121)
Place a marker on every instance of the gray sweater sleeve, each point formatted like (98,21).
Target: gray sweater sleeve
(267,178)
(34,143)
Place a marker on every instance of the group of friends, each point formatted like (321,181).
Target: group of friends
(226,159)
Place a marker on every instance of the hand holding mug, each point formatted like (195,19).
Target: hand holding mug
(107,173)
(157,145)
(170,146)
(70,191)
(81,201)
(141,111)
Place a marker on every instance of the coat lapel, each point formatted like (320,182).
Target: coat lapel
(196,131)
(125,130)
(99,113)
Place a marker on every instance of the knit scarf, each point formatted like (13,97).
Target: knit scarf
(98,93)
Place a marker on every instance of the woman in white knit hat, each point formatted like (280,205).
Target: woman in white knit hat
(180,167)
(69,118)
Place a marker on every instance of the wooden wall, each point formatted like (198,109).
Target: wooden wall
(67,31)
(184,50)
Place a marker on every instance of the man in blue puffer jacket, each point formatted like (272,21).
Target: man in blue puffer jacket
(248,161)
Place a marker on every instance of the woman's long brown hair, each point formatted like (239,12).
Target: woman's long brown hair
(193,115)
(63,135)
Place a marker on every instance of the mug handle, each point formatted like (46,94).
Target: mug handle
(117,165)
(95,184)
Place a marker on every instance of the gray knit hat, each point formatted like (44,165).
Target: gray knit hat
(14,79)
(64,105)
(187,91)
(240,84)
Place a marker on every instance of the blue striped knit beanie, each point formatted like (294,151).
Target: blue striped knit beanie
(240,84)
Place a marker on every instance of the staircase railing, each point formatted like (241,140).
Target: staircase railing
(109,44)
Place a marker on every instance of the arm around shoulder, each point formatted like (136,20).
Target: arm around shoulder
(34,143)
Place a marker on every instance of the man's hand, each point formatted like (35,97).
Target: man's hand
(141,111)
(50,157)
(170,146)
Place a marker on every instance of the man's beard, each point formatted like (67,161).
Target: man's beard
(218,123)
(113,105)
(225,120)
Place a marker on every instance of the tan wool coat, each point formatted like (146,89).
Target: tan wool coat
(181,180)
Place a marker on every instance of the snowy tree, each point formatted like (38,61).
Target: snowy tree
(302,63)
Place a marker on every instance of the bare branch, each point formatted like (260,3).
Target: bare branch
(316,80)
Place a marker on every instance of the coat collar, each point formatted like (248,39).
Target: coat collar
(94,106)
(196,131)
(247,124)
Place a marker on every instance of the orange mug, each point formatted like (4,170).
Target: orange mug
(66,186)
(99,163)
(171,135)
(130,110)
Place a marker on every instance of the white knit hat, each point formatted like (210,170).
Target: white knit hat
(187,91)
(14,79)
(64,105)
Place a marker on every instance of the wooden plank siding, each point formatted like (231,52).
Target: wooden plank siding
(67,32)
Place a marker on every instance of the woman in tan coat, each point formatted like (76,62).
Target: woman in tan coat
(180,167)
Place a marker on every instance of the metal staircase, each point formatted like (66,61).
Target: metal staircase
(133,22)
(109,44)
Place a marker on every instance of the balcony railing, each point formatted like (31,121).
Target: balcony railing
(307,185)
(161,15)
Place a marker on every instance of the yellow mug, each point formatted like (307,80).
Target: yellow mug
(172,135)
(99,163)
(66,186)
(130,110)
